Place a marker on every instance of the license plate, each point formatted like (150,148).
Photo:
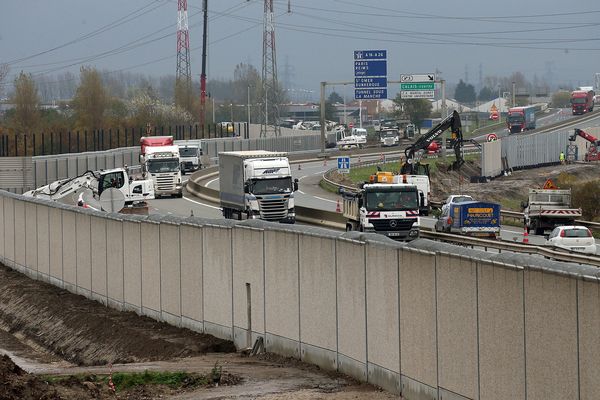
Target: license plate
(393,234)
(577,248)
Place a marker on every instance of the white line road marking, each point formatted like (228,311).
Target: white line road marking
(301,192)
(302,177)
(211,181)
(320,198)
(202,204)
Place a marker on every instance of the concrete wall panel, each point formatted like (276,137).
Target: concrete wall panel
(2,227)
(20,238)
(9,229)
(170,270)
(30,233)
(418,341)
(551,336)
(191,272)
(132,265)
(318,292)
(114,259)
(69,238)
(84,252)
(351,301)
(282,289)
(248,268)
(218,280)
(589,351)
(99,250)
(151,295)
(501,333)
(43,238)
(383,316)
(56,245)
(457,325)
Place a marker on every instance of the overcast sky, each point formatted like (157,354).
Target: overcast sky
(548,38)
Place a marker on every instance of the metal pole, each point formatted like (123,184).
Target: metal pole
(323,118)
(513,94)
(444,114)
(203,75)
(248,106)
(360,113)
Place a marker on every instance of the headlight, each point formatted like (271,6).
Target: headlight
(413,233)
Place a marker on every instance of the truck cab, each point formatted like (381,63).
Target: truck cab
(190,157)
(389,137)
(162,165)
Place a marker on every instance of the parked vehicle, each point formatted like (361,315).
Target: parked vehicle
(520,119)
(257,184)
(190,153)
(573,238)
(471,218)
(548,208)
(391,209)
(160,161)
(582,101)
(354,139)
(409,131)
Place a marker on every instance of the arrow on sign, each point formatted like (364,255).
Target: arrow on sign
(431,77)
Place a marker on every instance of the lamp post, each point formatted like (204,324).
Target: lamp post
(248,107)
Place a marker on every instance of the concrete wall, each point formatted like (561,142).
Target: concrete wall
(428,320)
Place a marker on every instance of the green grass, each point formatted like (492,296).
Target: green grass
(128,380)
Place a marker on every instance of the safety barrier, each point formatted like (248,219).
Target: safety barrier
(426,319)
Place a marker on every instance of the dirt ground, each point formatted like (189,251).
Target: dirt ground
(47,331)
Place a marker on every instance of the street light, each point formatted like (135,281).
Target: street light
(248,107)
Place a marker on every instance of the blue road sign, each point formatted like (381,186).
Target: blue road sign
(370,94)
(368,82)
(370,54)
(343,165)
(370,68)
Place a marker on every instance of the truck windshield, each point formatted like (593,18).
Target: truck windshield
(390,134)
(271,186)
(516,118)
(579,100)
(158,166)
(188,151)
(392,200)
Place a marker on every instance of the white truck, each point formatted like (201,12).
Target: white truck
(548,208)
(135,192)
(390,209)
(356,138)
(257,184)
(389,137)
(190,153)
(162,165)
(423,186)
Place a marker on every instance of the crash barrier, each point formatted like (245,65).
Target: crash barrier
(426,319)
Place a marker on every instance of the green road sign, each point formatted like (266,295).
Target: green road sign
(417,86)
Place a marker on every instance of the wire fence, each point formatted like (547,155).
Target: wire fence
(51,143)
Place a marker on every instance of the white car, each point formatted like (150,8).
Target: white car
(573,238)
(456,198)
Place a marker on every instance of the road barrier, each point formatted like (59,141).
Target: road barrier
(426,319)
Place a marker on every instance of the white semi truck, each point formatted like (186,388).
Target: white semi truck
(135,192)
(257,184)
(190,153)
(390,209)
(162,165)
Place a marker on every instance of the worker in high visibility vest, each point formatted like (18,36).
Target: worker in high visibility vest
(562,157)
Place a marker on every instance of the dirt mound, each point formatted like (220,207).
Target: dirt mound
(85,332)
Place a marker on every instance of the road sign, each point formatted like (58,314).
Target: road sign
(368,82)
(417,86)
(370,54)
(417,78)
(370,68)
(370,94)
(343,165)
(417,94)
(492,137)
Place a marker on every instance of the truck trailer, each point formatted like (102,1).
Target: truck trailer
(470,218)
(257,184)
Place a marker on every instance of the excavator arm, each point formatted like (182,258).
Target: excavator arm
(585,135)
(451,122)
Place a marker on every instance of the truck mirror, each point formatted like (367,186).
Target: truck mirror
(295,184)
(246,187)
(360,202)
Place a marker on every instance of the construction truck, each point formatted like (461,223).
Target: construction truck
(257,184)
(414,152)
(69,191)
(592,151)
(381,206)
(160,161)
(548,208)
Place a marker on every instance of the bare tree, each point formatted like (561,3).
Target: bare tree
(26,100)
(3,74)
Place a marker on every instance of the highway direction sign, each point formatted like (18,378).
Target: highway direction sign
(370,68)
(370,54)
(417,78)
(343,164)
(417,94)
(368,82)
(417,86)
(370,94)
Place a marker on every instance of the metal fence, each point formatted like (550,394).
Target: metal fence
(534,150)
(50,143)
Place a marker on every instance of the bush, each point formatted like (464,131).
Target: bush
(587,196)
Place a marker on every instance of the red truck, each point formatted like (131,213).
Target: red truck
(582,101)
(520,119)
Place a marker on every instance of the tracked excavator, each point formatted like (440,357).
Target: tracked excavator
(413,153)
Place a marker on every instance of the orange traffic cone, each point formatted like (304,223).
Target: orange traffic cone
(525,236)
(337,207)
